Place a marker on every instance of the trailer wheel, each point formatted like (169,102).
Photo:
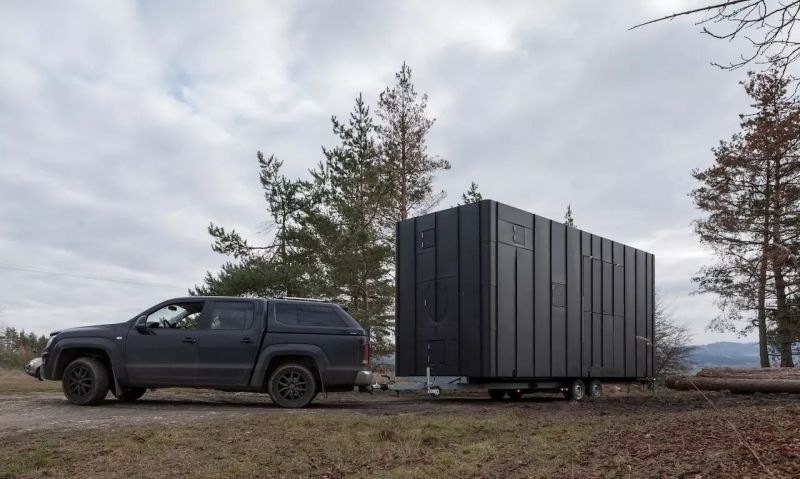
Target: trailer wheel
(434,391)
(497,394)
(576,391)
(595,389)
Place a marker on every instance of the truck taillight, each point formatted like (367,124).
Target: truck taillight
(365,353)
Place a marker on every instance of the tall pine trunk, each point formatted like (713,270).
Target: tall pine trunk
(784,330)
(763,349)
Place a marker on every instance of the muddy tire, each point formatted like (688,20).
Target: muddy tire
(129,394)
(292,386)
(576,391)
(85,381)
(497,394)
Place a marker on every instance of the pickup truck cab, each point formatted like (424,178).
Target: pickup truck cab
(290,348)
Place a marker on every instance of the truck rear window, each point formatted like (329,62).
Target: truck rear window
(308,315)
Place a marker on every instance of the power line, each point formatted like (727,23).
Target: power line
(92,277)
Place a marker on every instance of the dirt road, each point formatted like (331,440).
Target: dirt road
(192,433)
(38,411)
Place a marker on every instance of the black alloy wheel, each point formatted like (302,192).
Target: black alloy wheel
(292,386)
(85,381)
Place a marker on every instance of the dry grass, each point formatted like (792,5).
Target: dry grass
(666,437)
(300,444)
(626,434)
(13,381)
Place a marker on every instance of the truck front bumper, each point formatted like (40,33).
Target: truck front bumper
(363,378)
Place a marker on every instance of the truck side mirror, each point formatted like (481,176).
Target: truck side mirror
(141,324)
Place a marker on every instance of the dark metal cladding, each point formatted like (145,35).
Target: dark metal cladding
(630,311)
(573,339)
(541,298)
(490,291)
(469,287)
(405,262)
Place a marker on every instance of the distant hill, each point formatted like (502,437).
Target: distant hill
(725,353)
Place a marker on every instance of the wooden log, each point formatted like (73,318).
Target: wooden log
(750,373)
(684,383)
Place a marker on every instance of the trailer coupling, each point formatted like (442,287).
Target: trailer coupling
(431,385)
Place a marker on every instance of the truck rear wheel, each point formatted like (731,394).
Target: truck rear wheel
(85,381)
(292,386)
(129,394)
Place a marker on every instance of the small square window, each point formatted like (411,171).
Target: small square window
(559,295)
(519,234)
(427,239)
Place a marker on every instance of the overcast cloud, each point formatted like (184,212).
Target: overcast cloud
(125,127)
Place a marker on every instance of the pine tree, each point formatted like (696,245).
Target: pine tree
(283,266)
(775,136)
(753,207)
(406,163)
(472,195)
(568,217)
(346,225)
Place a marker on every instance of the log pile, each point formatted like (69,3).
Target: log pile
(740,380)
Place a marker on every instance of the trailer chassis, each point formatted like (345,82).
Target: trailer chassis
(573,388)
(434,385)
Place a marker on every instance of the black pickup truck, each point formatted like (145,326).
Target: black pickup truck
(291,348)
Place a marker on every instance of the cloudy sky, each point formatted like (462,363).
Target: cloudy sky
(125,127)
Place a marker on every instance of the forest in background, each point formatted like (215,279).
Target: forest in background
(18,347)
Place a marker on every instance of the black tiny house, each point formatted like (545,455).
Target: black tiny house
(490,292)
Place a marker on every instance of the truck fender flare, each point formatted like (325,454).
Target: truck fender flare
(275,350)
(106,345)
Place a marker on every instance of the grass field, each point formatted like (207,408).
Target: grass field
(16,381)
(636,435)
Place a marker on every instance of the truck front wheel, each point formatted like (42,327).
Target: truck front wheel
(85,381)
(292,386)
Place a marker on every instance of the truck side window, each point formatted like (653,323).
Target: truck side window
(286,313)
(176,316)
(311,315)
(231,315)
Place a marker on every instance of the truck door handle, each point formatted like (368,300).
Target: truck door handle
(247,341)
(190,340)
